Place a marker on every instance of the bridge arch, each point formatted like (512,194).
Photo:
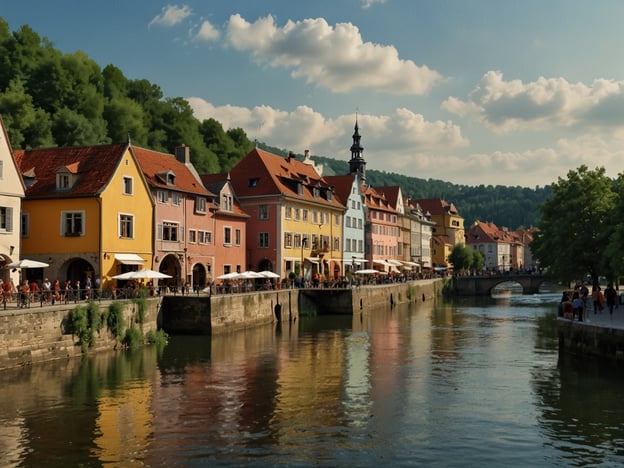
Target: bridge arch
(483,285)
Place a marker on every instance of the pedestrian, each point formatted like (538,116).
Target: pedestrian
(578,304)
(597,299)
(610,295)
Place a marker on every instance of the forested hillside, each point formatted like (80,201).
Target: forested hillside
(48,98)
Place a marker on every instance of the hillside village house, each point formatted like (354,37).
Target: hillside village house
(11,194)
(295,223)
(88,211)
(182,221)
(229,228)
(382,232)
(495,244)
(448,230)
(421,232)
(394,195)
(348,189)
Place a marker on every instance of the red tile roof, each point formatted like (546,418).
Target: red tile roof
(342,185)
(437,206)
(375,200)
(154,163)
(481,232)
(261,173)
(391,193)
(214,183)
(94,165)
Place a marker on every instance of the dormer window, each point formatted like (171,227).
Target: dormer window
(330,194)
(64,179)
(316,191)
(167,177)
(253,182)
(299,188)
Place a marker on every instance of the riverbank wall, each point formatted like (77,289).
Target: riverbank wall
(39,334)
(595,340)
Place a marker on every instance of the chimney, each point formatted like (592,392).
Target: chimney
(307,154)
(291,156)
(183,154)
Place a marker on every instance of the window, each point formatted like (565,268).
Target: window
(25,225)
(330,195)
(337,220)
(127,185)
(297,214)
(263,239)
(226,204)
(192,236)
(73,223)
(204,237)
(253,182)
(126,226)
(200,205)
(237,237)
(176,199)
(288,212)
(336,243)
(315,217)
(63,181)
(263,212)
(227,235)
(316,192)
(305,216)
(163,196)
(299,188)
(6,219)
(288,239)
(348,221)
(297,240)
(168,231)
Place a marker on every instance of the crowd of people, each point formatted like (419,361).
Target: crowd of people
(47,292)
(576,304)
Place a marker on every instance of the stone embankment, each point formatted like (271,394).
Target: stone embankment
(39,334)
(600,335)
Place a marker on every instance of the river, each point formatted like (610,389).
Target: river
(462,383)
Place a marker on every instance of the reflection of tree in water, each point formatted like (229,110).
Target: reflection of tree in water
(580,402)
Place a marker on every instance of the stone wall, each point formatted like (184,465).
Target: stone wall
(219,313)
(584,339)
(40,334)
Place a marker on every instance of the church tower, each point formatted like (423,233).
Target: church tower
(357,164)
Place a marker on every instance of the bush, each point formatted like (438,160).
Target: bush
(114,319)
(133,338)
(159,337)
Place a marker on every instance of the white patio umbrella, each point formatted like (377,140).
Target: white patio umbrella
(25,263)
(249,275)
(145,273)
(228,276)
(268,274)
(368,271)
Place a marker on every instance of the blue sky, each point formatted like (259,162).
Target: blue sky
(471,92)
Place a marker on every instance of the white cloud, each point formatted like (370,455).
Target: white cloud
(368,3)
(304,128)
(332,57)
(171,15)
(207,32)
(544,104)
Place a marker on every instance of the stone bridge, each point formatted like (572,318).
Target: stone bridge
(483,285)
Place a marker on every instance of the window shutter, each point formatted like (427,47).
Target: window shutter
(181,238)
(9,219)
(159,232)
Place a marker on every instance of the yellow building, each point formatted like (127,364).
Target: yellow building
(295,218)
(87,212)
(448,230)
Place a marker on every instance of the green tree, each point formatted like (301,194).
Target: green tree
(614,254)
(478,261)
(461,257)
(576,225)
(126,118)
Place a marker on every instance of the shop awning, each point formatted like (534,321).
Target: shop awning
(129,259)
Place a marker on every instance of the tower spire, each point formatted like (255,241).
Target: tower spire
(357,164)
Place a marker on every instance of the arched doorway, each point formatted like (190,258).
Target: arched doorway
(78,269)
(199,276)
(170,265)
(265,265)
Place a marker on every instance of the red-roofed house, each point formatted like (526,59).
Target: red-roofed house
(382,232)
(494,243)
(183,245)
(448,230)
(295,219)
(230,225)
(87,211)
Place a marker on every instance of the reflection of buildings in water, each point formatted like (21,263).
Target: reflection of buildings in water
(357,384)
(124,423)
(13,435)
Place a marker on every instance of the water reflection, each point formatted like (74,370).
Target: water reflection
(467,382)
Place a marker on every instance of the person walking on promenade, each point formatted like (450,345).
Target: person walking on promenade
(597,299)
(578,304)
(610,295)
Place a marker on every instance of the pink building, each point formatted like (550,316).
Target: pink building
(183,221)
